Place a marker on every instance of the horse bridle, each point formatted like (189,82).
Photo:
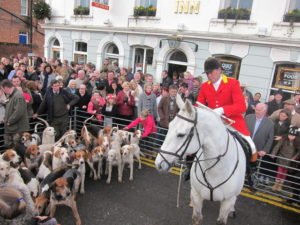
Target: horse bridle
(198,160)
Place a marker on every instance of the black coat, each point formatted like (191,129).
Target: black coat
(273,106)
(83,100)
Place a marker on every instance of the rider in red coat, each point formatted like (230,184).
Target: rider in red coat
(225,97)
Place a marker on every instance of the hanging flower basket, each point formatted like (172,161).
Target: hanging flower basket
(144,11)
(41,10)
(292,16)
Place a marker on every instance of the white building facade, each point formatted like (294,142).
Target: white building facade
(257,41)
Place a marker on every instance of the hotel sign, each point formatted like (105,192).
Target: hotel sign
(187,7)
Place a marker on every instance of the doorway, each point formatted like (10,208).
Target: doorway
(176,69)
(177,63)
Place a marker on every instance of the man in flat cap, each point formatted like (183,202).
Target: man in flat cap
(297,100)
(224,95)
(290,105)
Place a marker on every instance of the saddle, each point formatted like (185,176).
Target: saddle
(251,166)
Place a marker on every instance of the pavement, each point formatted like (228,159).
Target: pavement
(150,199)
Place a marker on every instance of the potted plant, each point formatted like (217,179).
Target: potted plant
(151,11)
(235,14)
(81,10)
(292,16)
(144,11)
(41,10)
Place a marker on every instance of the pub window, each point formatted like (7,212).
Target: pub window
(287,77)
(238,4)
(294,4)
(143,58)
(80,52)
(83,3)
(230,65)
(146,3)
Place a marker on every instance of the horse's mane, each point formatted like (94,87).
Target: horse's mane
(204,107)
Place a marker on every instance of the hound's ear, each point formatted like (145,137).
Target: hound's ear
(179,102)
(52,186)
(5,157)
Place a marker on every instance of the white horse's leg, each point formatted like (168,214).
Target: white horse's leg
(227,206)
(197,203)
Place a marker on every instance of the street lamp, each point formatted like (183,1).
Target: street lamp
(174,42)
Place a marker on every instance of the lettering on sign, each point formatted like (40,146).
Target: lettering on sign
(187,6)
(288,78)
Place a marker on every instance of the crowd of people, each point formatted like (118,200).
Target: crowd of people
(116,95)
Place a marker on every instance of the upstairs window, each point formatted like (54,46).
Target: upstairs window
(238,4)
(294,4)
(236,9)
(293,13)
(24,7)
(145,8)
(82,7)
(82,3)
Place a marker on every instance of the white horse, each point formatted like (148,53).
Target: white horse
(218,170)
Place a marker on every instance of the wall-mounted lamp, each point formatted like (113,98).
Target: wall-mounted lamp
(174,41)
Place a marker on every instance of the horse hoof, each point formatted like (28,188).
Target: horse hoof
(232,215)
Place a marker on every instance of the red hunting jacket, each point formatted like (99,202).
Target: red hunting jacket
(229,96)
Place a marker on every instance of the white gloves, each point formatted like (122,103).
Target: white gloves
(219,111)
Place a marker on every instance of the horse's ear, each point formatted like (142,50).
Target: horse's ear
(188,106)
(179,101)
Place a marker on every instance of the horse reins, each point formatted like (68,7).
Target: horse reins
(198,160)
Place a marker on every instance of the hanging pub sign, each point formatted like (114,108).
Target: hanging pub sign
(102,4)
(288,78)
(230,67)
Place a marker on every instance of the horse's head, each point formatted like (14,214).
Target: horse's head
(181,138)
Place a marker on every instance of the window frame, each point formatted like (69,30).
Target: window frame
(78,3)
(24,6)
(236,7)
(139,3)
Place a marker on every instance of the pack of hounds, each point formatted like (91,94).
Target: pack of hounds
(50,173)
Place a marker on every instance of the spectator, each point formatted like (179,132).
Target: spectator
(156,89)
(56,104)
(149,78)
(147,101)
(36,95)
(256,99)
(138,78)
(262,132)
(16,118)
(136,91)
(166,80)
(95,106)
(7,66)
(287,150)
(80,78)
(2,71)
(168,108)
(46,78)
(92,83)
(175,79)
(13,72)
(125,104)
(289,105)
(196,88)
(281,125)
(188,79)
(72,87)
(109,110)
(297,101)
(84,98)
(276,103)
(183,91)
(110,79)
(114,88)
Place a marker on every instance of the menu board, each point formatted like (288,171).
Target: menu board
(288,78)
(102,4)
(230,67)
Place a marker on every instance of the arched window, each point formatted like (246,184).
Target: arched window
(112,53)
(55,49)
(178,56)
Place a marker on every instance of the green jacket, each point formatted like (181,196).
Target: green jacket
(16,118)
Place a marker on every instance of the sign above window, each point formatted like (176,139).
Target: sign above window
(187,7)
(102,4)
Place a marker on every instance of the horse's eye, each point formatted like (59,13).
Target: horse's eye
(180,135)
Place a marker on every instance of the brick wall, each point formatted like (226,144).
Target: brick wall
(10,28)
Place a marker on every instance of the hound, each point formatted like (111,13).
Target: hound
(63,192)
(49,133)
(10,156)
(41,204)
(98,155)
(136,152)
(32,157)
(11,176)
(46,183)
(46,166)
(60,157)
(30,180)
(80,159)
(30,139)
(127,157)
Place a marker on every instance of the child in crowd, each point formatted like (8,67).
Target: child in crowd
(147,121)
(95,106)
(110,109)
(287,151)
